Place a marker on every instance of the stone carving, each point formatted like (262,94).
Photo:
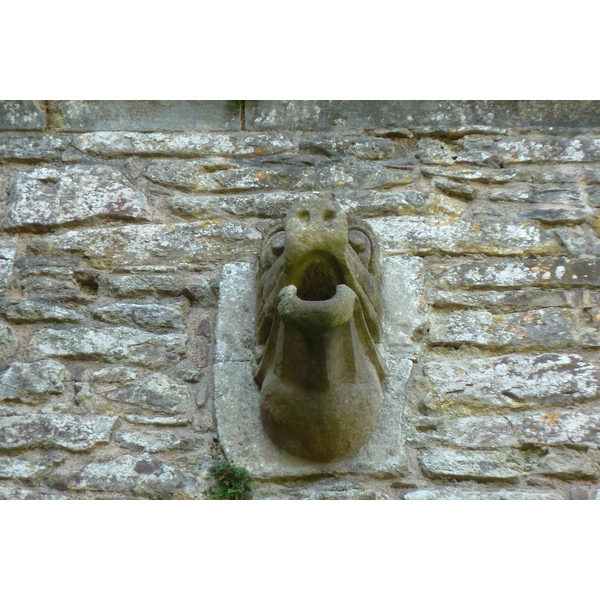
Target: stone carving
(318,320)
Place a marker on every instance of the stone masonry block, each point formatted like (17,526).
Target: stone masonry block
(459,465)
(109,344)
(54,430)
(153,244)
(512,381)
(450,235)
(21,115)
(553,427)
(543,272)
(50,196)
(109,144)
(151,115)
(445,116)
(545,328)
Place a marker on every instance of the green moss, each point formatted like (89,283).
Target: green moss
(231,482)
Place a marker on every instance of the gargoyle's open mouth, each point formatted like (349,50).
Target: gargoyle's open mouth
(320,301)
(319,278)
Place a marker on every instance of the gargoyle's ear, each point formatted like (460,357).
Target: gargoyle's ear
(272,247)
(363,241)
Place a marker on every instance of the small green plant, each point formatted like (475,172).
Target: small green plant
(231,482)
(236,103)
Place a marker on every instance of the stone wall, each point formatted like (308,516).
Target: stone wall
(118,218)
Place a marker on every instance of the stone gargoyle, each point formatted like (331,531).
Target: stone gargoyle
(318,320)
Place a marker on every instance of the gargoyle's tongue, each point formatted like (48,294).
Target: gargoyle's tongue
(316,317)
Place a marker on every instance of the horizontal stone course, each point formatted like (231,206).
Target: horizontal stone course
(31,383)
(157,393)
(567,464)
(153,441)
(153,244)
(183,145)
(557,216)
(22,469)
(110,344)
(546,272)
(461,465)
(512,150)
(54,430)
(199,176)
(139,474)
(147,316)
(21,115)
(29,148)
(515,299)
(334,115)
(482,494)
(429,235)
(33,311)
(274,204)
(548,194)
(553,427)
(150,115)
(545,328)
(511,381)
(46,197)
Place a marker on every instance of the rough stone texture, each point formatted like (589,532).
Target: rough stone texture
(550,194)
(8,247)
(21,115)
(482,494)
(544,328)
(109,345)
(153,441)
(153,244)
(141,475)
(568,464)
(444,115)
(199,176)
(460,465)
(512,150)
(156,393)
(555,427)
(54,430)
(422,235)
(8,342)
(512,381)
(31,148)
(147,316)
(26,470)
(48,196)
(182,145)
(31,383)
(33,311)
(503,274)
(126,334)
(166,115)
(522,299)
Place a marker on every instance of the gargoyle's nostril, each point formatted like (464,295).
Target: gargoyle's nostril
(304,216)
(328,216)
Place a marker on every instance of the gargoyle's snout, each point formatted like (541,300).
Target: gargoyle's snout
(315,225)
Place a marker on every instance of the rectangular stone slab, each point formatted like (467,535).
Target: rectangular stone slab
(237,397)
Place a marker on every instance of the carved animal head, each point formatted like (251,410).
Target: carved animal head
(318,319)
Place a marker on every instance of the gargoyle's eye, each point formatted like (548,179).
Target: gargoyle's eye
(358,240)
(278,243)
(361,244)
